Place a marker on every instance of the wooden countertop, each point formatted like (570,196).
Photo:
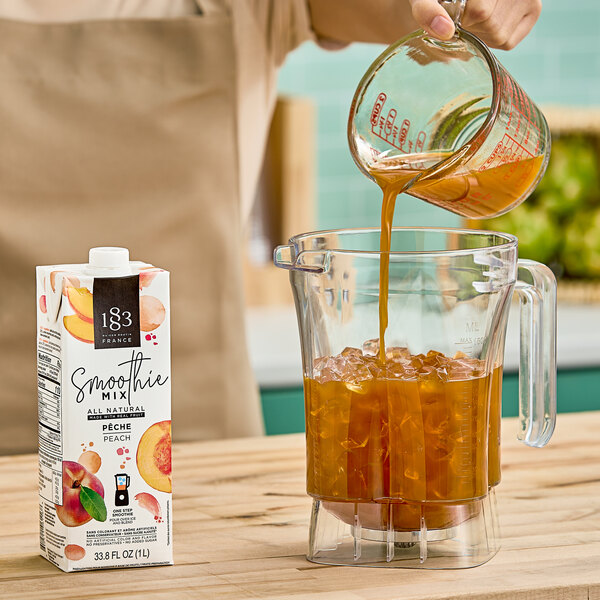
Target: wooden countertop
(241,519)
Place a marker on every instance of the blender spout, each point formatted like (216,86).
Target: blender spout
(310,261)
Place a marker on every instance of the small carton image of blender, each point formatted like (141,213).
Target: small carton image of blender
(121,494)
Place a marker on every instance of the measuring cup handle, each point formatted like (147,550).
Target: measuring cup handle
(536,287)
(455,8)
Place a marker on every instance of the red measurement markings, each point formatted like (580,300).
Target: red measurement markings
(389,122)
(509,151)
(377,107)
(384,126)
(523,124)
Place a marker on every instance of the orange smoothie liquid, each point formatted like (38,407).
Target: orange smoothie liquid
(414,429)
(417,431)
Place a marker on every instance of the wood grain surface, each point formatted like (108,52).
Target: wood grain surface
(241,517)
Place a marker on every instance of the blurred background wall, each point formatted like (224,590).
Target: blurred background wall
(558,63)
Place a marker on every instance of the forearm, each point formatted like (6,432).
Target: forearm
(381,21)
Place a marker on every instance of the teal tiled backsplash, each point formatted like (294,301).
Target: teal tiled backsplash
(558,63)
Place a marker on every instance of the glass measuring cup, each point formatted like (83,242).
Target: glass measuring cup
(446,120)
(403,455)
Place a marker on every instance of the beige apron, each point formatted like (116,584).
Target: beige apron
(123,133)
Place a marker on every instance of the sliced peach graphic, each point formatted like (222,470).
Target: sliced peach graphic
(154,456)
(71,513)
(53,275)
(43,306)
(150,503)
(147,275)
(152,313)
(82,302)
(68,281)
(79,329)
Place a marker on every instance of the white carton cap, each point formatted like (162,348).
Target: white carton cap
(109,257)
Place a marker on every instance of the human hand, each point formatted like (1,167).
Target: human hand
(499,23)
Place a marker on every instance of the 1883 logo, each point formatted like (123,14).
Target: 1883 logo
(117,319)
(116,312)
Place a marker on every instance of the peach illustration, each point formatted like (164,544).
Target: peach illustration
(152,313)
(79,329)
(154,456)
(53,279)
(90,460)
(149,503)
(68,281)
(43,306)
(147,274)
(74,552)
(82,302)
(72,513)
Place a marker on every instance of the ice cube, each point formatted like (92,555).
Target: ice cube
(400,370)
(371,347)
(465,368)
(355,387)
(435,359)
(319,364)
(351,352)
(397,354)
(376,369)
(442,373)
(337,364)
(326,375)
(417,362)
(321,371)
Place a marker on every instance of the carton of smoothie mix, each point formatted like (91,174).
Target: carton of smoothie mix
(104,408)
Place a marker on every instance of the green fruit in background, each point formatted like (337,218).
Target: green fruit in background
(560,223)
(539,235)
(581,251)
(571,179)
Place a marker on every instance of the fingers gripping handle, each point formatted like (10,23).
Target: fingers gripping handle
(455,8)
(536,287)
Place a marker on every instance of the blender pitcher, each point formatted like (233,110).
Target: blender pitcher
(403,450)
(445,122)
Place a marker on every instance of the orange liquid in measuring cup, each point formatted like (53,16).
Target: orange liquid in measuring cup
(472,194)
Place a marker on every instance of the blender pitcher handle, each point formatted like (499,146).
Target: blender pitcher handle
(536,287)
